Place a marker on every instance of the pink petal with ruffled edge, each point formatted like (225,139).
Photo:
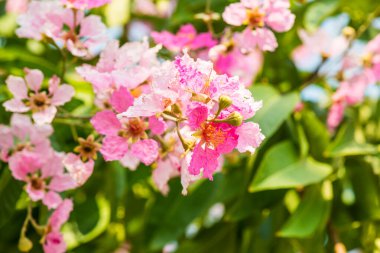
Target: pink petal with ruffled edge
(196,113)
(145,150)
(130,161)
(206,159)
(80,171)
(235,14)
(121,100)
(157,125)
(250,137)
(105,122)
(114,148)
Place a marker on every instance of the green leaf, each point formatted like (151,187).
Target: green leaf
(316,133)
(218,239)
(346,144)
(10,191)
(281,169)
(276,108)
(253,204)
(317,12)
(311,214)
(366,189)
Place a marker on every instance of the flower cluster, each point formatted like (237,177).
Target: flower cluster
(178,116)
(182,116)
(25,143)
(26,147)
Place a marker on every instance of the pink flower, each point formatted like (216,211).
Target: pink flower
(23,135)
(80,171)
(124,134)
(60,215)
(28,96)
(335,115)
(45,19)
(372,57)
(42,19)
(92,33)
(318,46)
(350,92)
(193,90)
(260,15)
(236,61)
(85,4)
(44,178)
(127,66)
(54,242)
(186,37)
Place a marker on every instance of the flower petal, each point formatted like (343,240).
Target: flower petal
(145,150)
(114,148)
(250,137)
(44,117)
(34,78)
(17,87)
(62,95)
(105,122)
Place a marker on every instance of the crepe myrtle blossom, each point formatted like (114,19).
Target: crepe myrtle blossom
(45,178)
(186,38)
(125,136)
(127,66)
(84,4)
(318,47)
(49,20)
(350,92)
(212,107)
(371,58)
(21,135)
(28,95)
(260,17)
(232,59)
(53,240)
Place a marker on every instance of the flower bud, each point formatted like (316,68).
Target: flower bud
(188,144)
(224,102)
(25,244)
(234,119)
(348,32)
